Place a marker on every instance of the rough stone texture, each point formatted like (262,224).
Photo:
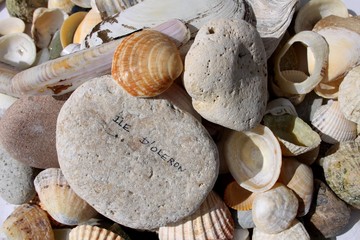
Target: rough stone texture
(16,180)
(141,162)
(27,130)
(226,74)
(24,9)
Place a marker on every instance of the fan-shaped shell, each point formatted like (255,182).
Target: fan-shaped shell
(211,221)
(11,25)
(237,197)
(59,200)
(28,222)
(332,125)
(253,158)
(88,232)
(274,210)
(146,63)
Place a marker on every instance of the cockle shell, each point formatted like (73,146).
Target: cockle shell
(332,125)
(59,200)
(253,158)
(18,50)
(342,171)
(314,10)
(87,24)
(11,25)
(299,178)
(28,222)
(295,136)
(296,231)
(69,27)
(212,220)
(65,5)
(349,99)
(146,63)
(237,197)
(88,232)
(274,210)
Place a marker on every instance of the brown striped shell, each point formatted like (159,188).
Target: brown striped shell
(146,63)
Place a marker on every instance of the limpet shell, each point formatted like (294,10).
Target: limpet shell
(59,200)
(88,232)
(146,63)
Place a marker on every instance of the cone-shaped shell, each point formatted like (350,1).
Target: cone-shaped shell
(274,210)
(237,197)
(211,221)
(88,232)
(28,222)
(342,171)
(11,25)
(146,63)
(296,231)
(299,178)
(253,158)
(332,125)
(295,136)
(59,200)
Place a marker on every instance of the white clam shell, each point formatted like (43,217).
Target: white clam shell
(11,25)
(82,3)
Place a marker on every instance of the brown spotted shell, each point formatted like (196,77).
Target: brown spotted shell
(146,63)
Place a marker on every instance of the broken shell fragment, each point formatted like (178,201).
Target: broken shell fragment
(11,25)
(237,197)
(88,232)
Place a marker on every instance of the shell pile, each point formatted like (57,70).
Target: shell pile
(305,129)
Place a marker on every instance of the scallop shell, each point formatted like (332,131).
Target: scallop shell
(315,10)
(211,221)
(253,158)
(237,197)
(332,125)
(28,222)
(292,82)
(88,232)
(280,106)
(59,200)
(146,63)
(296,231)
(65,5)
(11,25)
(18,50)
(274,210)
(299,178)
(87,24)
(295,136)
(69,27)
(342,172)
(349,99)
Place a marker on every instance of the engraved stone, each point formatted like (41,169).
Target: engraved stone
(141,162)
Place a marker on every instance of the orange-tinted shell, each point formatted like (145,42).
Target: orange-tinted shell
(238,198)
(88,232)
(146,63)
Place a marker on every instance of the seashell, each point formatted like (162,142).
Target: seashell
(253,158)
(274,210)
(149,68)
(5,102)
(295,136)
(65,5)
(307,108)
(69,27)
(24,9)
(18,50)
(28,222)
(7,72)
(88,232)
(309,157)
(109,8)
(87,24)
(237,197)
(299,178)
(295,99)
(343,38)
(280,106)
(71,48)
(43,55)
(212,220)
(63,75)
(45,23)
(332,125)
(244,219)
(59,200)
(328,90)
(82,3)
(342,171)
(55,47)
(315,10)
(295,82)
(349,95)
(241,234)
(11,25)
(296,231)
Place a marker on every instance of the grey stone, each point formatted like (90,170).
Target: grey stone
(142,162)
(16,180)
(226,74)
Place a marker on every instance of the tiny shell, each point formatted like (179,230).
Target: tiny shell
(88,232)
(237,197)
(11,25)
(146,63)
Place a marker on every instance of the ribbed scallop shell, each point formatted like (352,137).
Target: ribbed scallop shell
(88,232)
(274,210)
(28,222)
(59,200)
(146,63)
(332,125)
(253,158)
(237,197)
(212,220)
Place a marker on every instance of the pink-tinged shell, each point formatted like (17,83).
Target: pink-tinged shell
(88,232)
(146,63)
(28,222)
(212,220)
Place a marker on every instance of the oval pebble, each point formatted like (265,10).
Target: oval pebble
(142,162)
